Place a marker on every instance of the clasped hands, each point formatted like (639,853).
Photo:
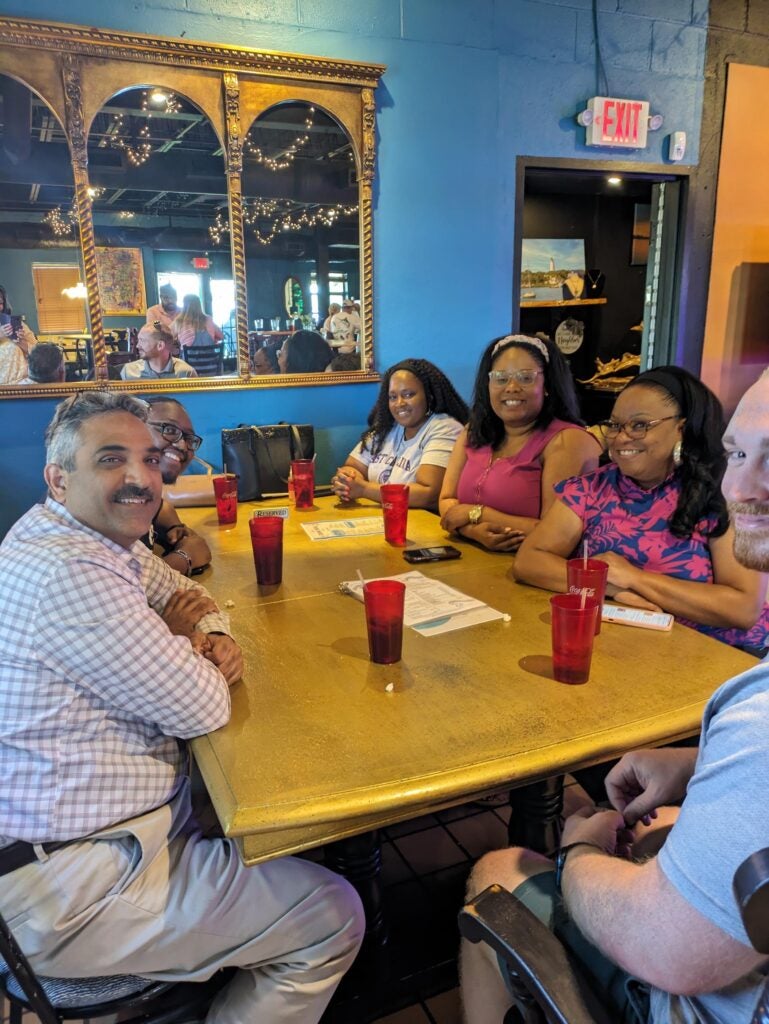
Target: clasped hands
(637,786)
(621,581)
(348,483)
(182,613)
(490,535)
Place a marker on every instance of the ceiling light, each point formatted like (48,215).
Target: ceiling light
(158,97)
(614,180)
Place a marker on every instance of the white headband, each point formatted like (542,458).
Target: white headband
(522,339)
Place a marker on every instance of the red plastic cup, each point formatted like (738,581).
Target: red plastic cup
(573,633)
(395,506)
(589,576)
(384,619)
(267,544)
(303,478)
(226,494)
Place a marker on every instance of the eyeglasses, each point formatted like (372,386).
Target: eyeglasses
(635,429)
(501,378)
(173,433)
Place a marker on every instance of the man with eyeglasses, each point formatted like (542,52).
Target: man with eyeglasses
(181,548)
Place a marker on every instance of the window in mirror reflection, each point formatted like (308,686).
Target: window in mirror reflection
(301,224)
(156,167)
(38,232)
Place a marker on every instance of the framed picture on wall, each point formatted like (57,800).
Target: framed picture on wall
(120,273)
(639,250)
(552,269)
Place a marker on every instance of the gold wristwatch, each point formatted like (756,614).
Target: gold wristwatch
(474,515)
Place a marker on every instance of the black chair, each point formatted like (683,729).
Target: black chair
(208,360)
(56,999)
(548,987)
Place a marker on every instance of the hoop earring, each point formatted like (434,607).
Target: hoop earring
(678,452)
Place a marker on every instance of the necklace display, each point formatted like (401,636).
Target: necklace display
(594,282)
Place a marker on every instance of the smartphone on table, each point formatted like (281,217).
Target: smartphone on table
(442,553)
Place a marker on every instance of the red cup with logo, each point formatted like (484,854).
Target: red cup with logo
(573,626)
(588,575)
(395,508)
(267,544)
(384,619)
(226,494)
(303,479)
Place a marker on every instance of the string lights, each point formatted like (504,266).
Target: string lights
(158,101)
(61,224)
(282,215)
(284,160)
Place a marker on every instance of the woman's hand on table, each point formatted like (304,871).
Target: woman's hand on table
(622,573)
(494,538)
(455,517)
(347,483)
(632,600)
(184,610)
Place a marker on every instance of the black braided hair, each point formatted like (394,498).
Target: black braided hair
(440,394)
(560,401)
(702,453)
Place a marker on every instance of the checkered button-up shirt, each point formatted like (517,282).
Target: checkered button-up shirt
(95,691)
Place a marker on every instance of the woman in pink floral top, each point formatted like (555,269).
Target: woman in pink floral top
(656,515)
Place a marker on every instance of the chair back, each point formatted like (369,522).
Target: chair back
(17,965)
(208,360)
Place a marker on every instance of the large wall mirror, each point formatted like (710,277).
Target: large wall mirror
(181,207)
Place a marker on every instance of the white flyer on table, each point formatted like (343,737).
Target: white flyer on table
(432,607)
(334,529)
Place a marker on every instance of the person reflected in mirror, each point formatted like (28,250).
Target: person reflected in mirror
(656,515)
(177,544)
(156,361)
(411,431)
(333,309)
(265,361)
(166,310)
(525,435)
(16,340)
(345,362)
(304,352)
(194,327)
(345,327)
(45,364)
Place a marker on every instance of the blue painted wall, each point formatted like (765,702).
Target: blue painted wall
(470,85)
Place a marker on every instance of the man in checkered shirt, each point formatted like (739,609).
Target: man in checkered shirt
(109,659)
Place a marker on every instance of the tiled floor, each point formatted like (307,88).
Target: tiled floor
(425,864)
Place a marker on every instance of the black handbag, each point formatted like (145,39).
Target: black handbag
(261,456)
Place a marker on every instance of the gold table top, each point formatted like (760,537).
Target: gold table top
(318,749)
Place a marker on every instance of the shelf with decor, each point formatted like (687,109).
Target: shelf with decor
(563,302)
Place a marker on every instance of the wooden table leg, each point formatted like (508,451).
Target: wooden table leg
(535,821)
(359,859)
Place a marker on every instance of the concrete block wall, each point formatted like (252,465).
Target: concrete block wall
(470,85)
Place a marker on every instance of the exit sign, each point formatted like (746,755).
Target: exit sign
(201,262)
(616,122)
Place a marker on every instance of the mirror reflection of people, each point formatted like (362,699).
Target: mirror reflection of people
(344,362)
(656,515)
(166,310)
(22,335)
(193,326)
(304,352)
(524,436)
(265,361)
(410,436)
(156,361)
(14,344)
(333,309)
(171,427)
(45,364)
(345,327)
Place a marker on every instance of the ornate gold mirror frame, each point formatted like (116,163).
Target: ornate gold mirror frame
(76,70)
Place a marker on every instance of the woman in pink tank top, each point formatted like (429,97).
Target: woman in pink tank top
(524,436)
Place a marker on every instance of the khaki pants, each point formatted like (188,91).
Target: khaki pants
(152,897)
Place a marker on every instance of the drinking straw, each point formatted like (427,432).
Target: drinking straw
(584,552)
(583,592)
(360,577)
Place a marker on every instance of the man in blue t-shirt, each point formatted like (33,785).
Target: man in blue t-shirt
(662,939)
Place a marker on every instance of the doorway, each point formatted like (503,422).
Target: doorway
(597,255)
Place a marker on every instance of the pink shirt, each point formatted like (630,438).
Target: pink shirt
(513,484)
(187,335)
